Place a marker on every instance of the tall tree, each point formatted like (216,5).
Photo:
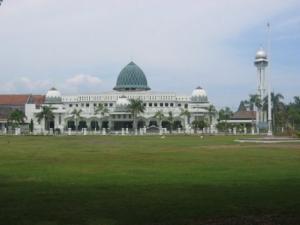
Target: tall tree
(255,100)
(159,115)
(135,107)
(293,111)
(211,112)
(16,117)
(279,113)
(45,114)
(186,113)
(225,114)
(171,120)
(76,114)
(242,106)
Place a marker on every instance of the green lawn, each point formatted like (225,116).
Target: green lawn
(104,180)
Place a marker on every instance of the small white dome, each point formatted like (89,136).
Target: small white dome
(53,93)
(261,54)
(122,101)
(199,92)
(199,95)
(53,96)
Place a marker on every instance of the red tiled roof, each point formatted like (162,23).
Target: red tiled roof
(37,99)
(13,99)
(21,99)
(251,115)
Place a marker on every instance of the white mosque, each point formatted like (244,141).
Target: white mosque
(131,84)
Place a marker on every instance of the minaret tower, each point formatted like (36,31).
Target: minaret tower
(261,62)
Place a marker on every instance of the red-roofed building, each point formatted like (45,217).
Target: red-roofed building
(9,103)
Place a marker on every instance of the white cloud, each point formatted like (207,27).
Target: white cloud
(80,83)
(25,85)
(83,83)
(83,79)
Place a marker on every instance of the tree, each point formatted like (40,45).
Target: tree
(31,125)
(171,120)
(293,111)
(102,110)
(242,106)
(46,114)
(187,114)
(16,117)
(135,107)
(225,114)
(279,112)
(255,100)
(159,115)
(199,124)
(211,112)
(76,114)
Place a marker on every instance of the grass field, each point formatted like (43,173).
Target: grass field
(106,180)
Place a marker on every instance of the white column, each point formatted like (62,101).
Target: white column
(234,130)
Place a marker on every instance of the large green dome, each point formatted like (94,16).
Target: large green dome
(131,78)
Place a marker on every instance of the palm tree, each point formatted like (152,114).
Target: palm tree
(76,114)
(211,112)
(159,115)
(171,120)
(46,114)
(293,111)
(101,109)
(187,114)
(278,110)
(256,101)
(199,124)
(135,107)
(16,117)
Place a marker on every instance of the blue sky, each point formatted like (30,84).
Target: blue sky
(81,46)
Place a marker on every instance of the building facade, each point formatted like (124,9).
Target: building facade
(76,112)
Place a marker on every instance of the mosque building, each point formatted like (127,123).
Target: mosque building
(110,109)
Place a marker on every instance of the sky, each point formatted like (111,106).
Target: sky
(80,47)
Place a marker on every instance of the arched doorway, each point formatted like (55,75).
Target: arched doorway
(166,124)
(105,124)
(71,124)
(141,124)
(153,123)
(94,125)
(51,124)
(177,124)
(82,124)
